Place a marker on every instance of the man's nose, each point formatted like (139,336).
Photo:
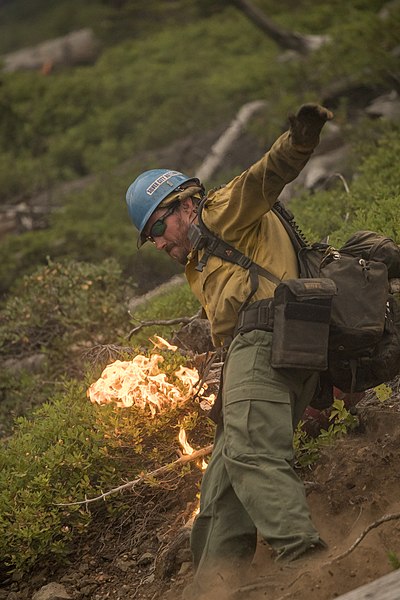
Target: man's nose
(159,242)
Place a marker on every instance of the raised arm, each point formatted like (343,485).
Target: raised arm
(255,191)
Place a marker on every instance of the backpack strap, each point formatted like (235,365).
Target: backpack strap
(286,217)
(201,238)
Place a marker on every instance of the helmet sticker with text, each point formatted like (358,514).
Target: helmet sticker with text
(159,181)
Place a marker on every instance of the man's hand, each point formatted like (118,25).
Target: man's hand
(306,124)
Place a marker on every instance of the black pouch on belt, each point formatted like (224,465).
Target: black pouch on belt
(302,311)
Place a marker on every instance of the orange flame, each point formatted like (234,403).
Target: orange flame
(187,448)
(140,383)
(162,344)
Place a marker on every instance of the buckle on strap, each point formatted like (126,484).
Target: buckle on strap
(263,314)
(244,261)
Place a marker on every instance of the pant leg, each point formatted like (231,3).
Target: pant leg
(249,483)
(224,538)
(261,408)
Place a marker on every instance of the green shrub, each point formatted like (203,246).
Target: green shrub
(92,118)
(21,391)
(308,449)
(88,120)
(49,462)
(393,559)
(56,314)
(61,305)
(72,450)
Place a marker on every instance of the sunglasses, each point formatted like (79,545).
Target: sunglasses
(158,228)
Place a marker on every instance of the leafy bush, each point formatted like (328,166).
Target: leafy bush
(55,314)
(85,120)
(22,390)
(69,451)
(357,27)
(73,450)
(61,305)
(308,449)
(40,466)
(142,94)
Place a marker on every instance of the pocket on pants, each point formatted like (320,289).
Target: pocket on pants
(259,428)
(248,372)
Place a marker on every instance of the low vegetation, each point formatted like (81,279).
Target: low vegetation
(72,450)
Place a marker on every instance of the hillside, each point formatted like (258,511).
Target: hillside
(352,486)
(169,79)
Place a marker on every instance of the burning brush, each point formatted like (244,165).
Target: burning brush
(140,382)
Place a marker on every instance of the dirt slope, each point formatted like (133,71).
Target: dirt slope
(353,485)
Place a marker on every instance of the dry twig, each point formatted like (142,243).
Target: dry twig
(131,484)
(384,519)
(106,353)
(183,320)
(265,584)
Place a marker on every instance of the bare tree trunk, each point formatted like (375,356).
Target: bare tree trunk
(78,47)
(219,150)
(287,40)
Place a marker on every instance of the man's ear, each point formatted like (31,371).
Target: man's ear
(187,205)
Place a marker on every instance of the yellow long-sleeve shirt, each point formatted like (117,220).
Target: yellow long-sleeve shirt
(239,213)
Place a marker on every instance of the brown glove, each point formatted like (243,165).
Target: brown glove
(306,124)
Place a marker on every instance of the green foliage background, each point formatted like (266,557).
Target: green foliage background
(167,70)
(143,93)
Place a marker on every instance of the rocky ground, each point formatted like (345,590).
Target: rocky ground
(354,485)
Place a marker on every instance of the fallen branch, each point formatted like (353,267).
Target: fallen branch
(221,147)
(342,179)
(182,460)
(183,320)
(373,525)
(288,40)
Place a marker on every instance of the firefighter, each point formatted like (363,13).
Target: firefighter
(249,486)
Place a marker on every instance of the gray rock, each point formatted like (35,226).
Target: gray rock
(52,591)
(70,578)
(185,568)
(125,565)
(145,559)
(77,47)
(386,106)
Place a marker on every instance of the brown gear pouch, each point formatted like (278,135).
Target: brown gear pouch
(302,312)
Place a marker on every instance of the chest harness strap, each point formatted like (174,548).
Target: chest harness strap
(201,238)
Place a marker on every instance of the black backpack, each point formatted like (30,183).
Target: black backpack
(364,336)
(364,333)
(364,330)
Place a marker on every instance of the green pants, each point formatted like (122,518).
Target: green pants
(249,484)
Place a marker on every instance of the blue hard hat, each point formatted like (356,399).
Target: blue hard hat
(147,192)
